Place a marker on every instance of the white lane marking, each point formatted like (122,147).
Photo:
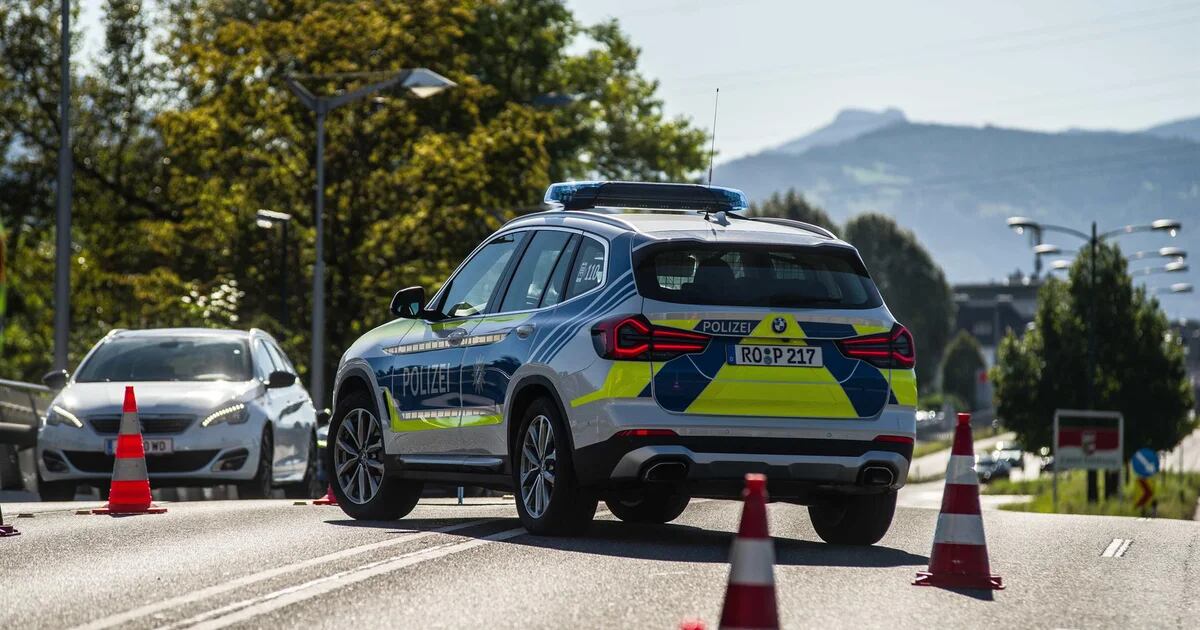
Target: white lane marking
(1117,548)
(251,608)
(205,593)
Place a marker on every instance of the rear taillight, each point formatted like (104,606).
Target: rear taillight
(893,349)
(634,338)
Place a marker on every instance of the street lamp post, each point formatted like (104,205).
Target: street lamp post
(267,220)
(1020,224)
(62,224)
(422,83)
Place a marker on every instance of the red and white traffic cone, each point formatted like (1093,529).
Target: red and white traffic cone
(328,499)
(7,530)
(130,489)
(750,597)
(960,558)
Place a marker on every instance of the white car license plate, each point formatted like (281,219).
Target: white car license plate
(153,446)
(782,356)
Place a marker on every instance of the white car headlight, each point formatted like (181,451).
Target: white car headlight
(233,414)
(57,415)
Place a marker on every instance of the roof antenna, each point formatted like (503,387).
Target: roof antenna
(713,147)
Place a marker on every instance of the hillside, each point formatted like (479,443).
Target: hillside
(954,186)
(1187,129)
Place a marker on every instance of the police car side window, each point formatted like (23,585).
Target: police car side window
(587,272)
(533,272)
(558,280)
(475,284)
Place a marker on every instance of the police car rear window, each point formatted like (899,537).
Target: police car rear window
(755,275)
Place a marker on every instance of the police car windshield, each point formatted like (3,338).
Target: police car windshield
(756,275)
(140,359)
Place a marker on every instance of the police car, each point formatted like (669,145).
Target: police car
(640,344)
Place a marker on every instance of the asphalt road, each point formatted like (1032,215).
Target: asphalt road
(272,564)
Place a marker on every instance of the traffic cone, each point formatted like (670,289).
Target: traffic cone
(7,530)
(959,558)
(750,597)
(328,499)
(130,489)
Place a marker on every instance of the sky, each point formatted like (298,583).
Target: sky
(786,67)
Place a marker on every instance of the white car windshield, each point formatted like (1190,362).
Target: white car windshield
(134,359)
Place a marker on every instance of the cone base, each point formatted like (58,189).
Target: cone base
(8,530)
(325,501)
(950,580)
(126,511)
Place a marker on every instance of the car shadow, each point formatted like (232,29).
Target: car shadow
(670,543)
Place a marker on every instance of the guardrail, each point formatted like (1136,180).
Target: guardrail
(21,406)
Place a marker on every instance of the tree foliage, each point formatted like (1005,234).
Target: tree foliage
(173,158)
(912,284)
(1139,365)
(960,368)
(793,205)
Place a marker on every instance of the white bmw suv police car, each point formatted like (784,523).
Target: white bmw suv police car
(216,407)
(639,344)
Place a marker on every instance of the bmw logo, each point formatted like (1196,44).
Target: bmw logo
(779,325)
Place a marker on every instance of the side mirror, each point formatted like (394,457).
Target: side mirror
(408,303)
(323,417)
(280,379)
(56,379)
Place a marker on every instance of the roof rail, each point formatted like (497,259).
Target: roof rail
(809,227)
(595,194)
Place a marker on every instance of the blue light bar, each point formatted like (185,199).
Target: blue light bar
(592,194)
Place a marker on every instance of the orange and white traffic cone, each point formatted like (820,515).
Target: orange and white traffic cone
(750,597)
(960,558)
(7,530)
(130,489)
(328,499)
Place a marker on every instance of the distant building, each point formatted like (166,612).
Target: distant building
(988,311)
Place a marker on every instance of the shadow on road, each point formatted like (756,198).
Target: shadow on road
(672,543)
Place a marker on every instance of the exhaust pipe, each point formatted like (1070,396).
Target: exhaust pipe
(878,476)
(666,471)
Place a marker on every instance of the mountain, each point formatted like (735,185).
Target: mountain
(1188,129)
(849,124)
(954,186)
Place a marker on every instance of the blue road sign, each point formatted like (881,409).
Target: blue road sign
(1145,462)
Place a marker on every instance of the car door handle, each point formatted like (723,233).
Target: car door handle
(524,330)
(455,336)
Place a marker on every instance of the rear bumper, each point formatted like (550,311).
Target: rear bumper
(800,469)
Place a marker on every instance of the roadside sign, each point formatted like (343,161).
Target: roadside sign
(1089,440)
(1145,462)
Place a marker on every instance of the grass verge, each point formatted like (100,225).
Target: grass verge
(1176,495)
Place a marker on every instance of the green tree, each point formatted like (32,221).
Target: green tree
(793,205)
(173,157)
(912,284)
(1139,366)
(960,368)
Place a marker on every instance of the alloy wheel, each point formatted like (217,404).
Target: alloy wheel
(538,462)
(357,456)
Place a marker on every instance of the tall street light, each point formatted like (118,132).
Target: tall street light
(422,83)
(62,223)
(267,220)
(1021,224)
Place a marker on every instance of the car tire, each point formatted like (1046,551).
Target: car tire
(854,519)
(394,497)
(55,490)
(565,508)
(652,507)
(259,487)
(310,487)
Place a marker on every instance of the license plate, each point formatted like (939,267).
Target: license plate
(154,446)
(781,356)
